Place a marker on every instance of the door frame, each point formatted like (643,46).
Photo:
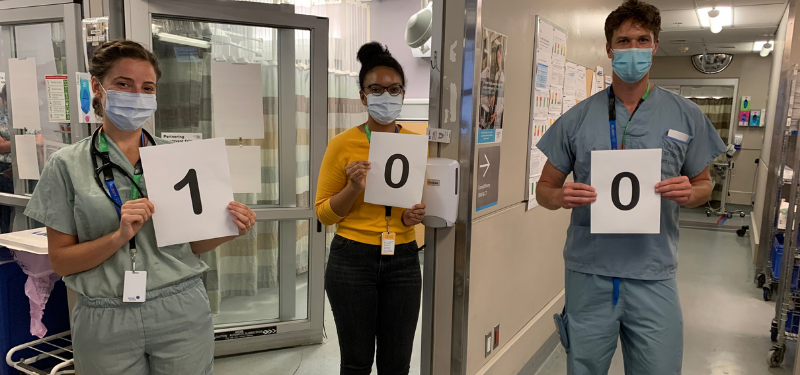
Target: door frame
(709,82)
(138,18)
(28,12)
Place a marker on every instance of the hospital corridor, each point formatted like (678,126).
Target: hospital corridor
(399,187)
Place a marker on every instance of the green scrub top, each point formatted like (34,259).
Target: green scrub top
(69,200)
(568,145)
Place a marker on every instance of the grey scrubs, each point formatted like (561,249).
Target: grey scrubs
(68,199)
(636,258)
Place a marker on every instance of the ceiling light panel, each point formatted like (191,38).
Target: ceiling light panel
(725,17)
(757,46)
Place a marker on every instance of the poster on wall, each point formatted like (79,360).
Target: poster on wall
(490,117)
(95,33)
(556,80)
(85,98)
(58,98)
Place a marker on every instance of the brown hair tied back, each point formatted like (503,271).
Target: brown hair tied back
(109,54)
(643,14)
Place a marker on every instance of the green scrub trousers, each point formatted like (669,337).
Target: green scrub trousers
(647,319)
(171,333)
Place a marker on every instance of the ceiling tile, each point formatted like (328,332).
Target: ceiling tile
(757,2)
(758,15)
(664,5)
(728,35)
(679,20)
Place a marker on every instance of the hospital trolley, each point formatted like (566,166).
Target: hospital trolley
(779,278)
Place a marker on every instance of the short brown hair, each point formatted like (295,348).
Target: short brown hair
(109,54)
(641,13)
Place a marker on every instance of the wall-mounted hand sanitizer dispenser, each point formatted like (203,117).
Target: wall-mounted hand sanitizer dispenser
(440,193)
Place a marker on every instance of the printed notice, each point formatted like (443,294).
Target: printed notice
(182,137)
(58,98)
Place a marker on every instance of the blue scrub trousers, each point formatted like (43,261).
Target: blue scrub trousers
(647,319)
(169,334)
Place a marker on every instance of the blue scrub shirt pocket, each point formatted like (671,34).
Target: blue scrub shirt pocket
(673,155)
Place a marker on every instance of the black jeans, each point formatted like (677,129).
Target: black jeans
(374,298)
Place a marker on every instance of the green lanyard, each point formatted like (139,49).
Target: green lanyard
(137,177)
(369,132)
(612,115)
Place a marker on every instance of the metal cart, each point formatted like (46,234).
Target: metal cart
(52,355)
(784,268)
(766,277)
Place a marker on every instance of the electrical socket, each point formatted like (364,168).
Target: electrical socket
(496,336)
(488,344)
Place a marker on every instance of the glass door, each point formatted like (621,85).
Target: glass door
(49,36)
(266,289)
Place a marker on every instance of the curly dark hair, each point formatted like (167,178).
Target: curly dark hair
(373,55)
(641,13)
(109,54)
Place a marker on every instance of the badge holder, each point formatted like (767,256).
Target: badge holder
(135,285)
(561,326)
(388,238)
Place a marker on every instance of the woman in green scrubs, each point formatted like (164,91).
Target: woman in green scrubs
(94,217)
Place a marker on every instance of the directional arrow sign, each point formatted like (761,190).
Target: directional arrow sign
(487,165)
(488,181)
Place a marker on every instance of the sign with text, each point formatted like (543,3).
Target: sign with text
(398,169)
(625,181)
(488,177)
(190,186)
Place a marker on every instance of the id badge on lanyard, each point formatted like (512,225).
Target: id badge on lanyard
(135,282)
(388,238)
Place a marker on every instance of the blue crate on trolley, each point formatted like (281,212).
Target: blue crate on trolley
(792,321)
(777,259)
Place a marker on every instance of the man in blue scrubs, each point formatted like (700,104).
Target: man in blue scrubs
(622,286)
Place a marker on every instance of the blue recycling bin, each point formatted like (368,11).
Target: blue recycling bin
(15,317)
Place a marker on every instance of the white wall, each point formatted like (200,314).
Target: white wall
(388,20)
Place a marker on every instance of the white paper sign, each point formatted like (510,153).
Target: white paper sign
(27,158)
(190,186)
(237,100)
(24,94)
(625,181)
(404,156)
(245,163)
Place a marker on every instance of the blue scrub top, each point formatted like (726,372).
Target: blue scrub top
(568,146)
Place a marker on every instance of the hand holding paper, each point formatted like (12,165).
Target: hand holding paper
(414,215)
(357,173)
(677,189)
(574,195)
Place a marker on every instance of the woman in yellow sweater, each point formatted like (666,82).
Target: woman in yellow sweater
(375,298)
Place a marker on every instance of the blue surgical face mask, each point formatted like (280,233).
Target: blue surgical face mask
(128,111)
(384,108)
(632,64)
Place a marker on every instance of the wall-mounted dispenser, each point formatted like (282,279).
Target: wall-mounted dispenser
(440,193)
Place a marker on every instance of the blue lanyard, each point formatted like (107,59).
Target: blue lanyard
(612,115)
(112,187)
